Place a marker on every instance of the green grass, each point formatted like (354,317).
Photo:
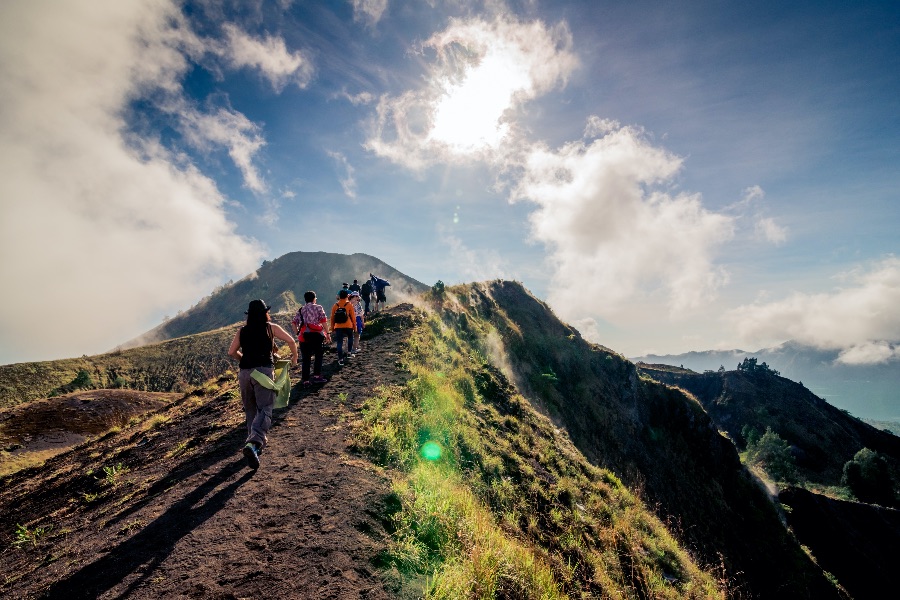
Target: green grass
(31,537)
(507,507)
(173,365)
(12,463)
(112,475)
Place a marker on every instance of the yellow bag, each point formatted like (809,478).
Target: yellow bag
(281,383)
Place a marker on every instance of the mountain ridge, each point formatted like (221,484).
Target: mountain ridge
(871,391)
(654,439)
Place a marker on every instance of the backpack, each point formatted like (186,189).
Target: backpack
(341,315)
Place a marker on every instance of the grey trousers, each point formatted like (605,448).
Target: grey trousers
(258,403)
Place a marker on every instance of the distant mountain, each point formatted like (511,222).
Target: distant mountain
(282,283)
(867,391)
(823,437)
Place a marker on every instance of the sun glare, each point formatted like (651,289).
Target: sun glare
(469,115)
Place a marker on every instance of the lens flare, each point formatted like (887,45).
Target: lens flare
(431,451)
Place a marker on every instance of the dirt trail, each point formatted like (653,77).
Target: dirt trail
(186,518)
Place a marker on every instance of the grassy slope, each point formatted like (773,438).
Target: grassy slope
(510,509)
(655,438)
(170,366)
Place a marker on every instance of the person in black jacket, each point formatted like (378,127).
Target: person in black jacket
(366,293)
(254,346)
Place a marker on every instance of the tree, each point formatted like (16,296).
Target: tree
(772,454)
(82,380)
(750,365)
(868,477)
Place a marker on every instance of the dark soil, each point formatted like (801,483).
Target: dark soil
(169,509)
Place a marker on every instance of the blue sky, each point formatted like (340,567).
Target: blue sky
(669,176)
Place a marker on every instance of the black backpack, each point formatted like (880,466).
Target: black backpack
(340,314)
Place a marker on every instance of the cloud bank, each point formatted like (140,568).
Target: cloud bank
(860,319)
(115,227)
(615,234)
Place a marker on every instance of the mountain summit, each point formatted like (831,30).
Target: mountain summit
(281,283)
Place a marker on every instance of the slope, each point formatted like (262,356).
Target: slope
(823,437)
(166,508)
(173,365)
(654,437)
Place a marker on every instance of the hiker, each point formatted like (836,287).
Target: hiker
(357,308)
(254,346)
(366,293)
(354,287)
(343,325)
(313,330)
(379,284)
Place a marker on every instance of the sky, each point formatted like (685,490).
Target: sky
(668,176)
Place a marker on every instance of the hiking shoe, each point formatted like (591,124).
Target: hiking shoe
(319,379)
(340,362)
(307,383)
(252,455)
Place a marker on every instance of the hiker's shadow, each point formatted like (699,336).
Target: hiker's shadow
(149,547)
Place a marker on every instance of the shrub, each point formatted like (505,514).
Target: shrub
(773,454)
(868,477)
(82,380)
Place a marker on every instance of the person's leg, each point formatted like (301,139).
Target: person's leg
(318,351)
(339,334)
(265,402)
(307,350)
(248,399)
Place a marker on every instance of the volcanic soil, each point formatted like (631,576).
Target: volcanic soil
(168,508)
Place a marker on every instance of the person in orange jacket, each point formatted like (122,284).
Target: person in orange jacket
(343,325)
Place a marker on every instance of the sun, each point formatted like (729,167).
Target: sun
(468,116)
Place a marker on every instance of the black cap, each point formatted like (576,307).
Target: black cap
(257,306)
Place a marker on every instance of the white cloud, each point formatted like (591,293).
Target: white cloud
(484,71)
(97,232)
(475,265)
(615,235)
(752,194)
(361,98)
(270,55)
(368,11)
(862,319)
(764,228)
(769,230)
(348,182)
(227,128)
(597,127)
(869,353)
